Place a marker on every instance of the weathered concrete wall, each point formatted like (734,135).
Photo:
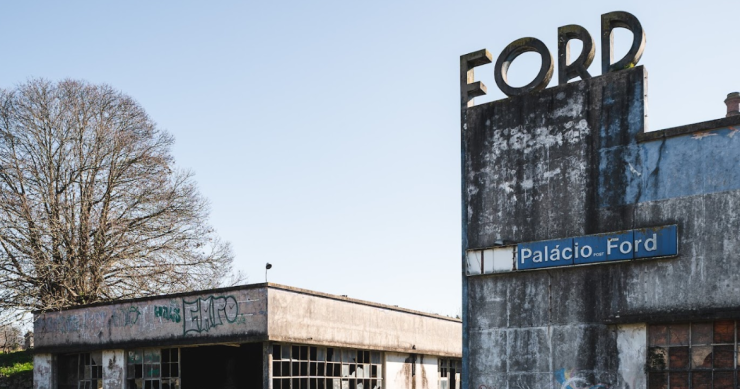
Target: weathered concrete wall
(43,371)
(570,161)
(225,315)
(410,371)
(306,317)
(114,365)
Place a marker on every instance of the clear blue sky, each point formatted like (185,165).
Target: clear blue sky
(326,134)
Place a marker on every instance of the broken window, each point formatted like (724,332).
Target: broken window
(309,367)
(90,370)
(692,355)
(448,373)
(153,368)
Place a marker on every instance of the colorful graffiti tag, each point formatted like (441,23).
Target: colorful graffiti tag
(569,379)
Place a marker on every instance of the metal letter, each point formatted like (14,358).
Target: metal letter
(468,88)
(579,67)
(515,49)
(609,22)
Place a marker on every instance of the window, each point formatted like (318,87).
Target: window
(449,373)
(692,355)
(153,368)
(308,367)
(90,370)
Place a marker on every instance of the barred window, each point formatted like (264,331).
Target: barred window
(153,368)
(309,367)
(692,355)
(90,370)
(449,373)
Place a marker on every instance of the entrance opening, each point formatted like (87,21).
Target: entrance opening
(222,367)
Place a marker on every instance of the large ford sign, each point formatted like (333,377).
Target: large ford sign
(617,246)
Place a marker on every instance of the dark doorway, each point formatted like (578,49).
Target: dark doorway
(222,367)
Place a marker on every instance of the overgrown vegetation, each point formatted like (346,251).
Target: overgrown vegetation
(15,362)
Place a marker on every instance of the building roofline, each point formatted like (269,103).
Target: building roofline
(689,129)
(268,285)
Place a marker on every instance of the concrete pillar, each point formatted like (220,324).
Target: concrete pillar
(44,371)
(266,365)
(114,365)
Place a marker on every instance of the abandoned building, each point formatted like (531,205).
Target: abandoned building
(253,336)
(596,254)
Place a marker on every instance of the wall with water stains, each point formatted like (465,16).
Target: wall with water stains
(298,317)
(248,314)
(410,371)
(220,315)
(575,160)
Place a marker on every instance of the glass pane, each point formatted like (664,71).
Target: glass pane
(679,380)
(724,380)
(701,333)
(276,371)
(658,335)
(320,369)
(175,355)
(701,380)
(345,370)
(276,352)
(679,334)
(175,370)
(321,354)
(724,357)
(348,356)
(286,352)
(130,357)
(724,331)
(374,357)
(312,353)
(165,370)
(330,355)
(97,358)
(701,357)
(148,358)
(165,356)
(657,359)
(678,357)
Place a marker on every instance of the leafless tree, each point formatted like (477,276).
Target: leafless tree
(92,207)
(10,338)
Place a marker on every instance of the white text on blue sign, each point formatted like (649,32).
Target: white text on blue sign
(617,246)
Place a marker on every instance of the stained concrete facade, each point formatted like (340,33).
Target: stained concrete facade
(260,335)
(576,160)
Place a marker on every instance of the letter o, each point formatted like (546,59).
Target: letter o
(583,251)
(629,247)
(515,49)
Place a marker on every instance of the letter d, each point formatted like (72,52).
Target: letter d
(651,244)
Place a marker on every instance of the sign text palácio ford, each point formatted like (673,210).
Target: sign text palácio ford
(617,246)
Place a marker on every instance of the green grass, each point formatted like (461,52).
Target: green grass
(15,362)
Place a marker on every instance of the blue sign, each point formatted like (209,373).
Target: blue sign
(616,246)
(545,254)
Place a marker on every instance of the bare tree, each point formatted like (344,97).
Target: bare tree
(10,338)
(92,207)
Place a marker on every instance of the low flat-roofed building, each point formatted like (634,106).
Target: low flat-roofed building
(253,336)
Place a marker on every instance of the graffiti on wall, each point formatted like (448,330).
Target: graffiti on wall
(569,379)
(205,313)
(124,316)
(167,313)
(63,324)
